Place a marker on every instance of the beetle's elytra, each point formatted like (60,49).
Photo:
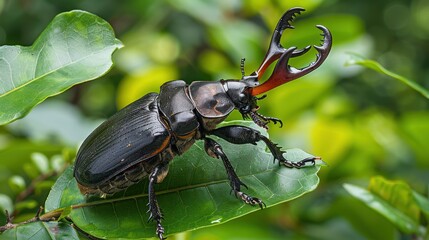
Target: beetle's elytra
(141,139)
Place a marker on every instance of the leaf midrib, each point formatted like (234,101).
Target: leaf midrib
(167,191)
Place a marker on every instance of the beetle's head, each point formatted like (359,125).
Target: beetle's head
(284,73)
(240,94)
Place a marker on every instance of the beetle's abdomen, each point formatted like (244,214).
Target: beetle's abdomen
(131,136)
(176,106)
(122,180)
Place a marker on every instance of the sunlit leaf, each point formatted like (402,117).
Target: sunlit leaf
(41,230)
(195,194)
(396,193)
(75,47)
(371,64)
(405,223)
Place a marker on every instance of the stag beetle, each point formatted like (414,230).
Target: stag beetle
(141,139)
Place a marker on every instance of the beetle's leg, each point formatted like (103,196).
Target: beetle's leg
(156,176)
(262,120)
(242,135)
(214,150)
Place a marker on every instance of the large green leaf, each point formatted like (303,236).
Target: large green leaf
(41,230)
(74,48)
(195,194)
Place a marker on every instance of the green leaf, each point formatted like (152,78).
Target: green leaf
(403,222)
(371,64)
(16,184)
(5,203)
(396,193)
(195,193)
(26,204)
(74,48)
(422,202)
(41,162)
(41,230)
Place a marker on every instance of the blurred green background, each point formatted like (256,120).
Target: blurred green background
(362,123)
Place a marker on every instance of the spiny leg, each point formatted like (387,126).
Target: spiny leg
(262,120)
(214,150)
(241,135)
(156,176)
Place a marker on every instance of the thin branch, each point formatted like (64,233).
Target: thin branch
(10,225)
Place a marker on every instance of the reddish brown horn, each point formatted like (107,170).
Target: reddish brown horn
(275,49)
(284,73)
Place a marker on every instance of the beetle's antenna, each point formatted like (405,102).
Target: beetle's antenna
(242,68)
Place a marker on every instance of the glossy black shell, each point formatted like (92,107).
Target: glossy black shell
(178,109)
(132,135)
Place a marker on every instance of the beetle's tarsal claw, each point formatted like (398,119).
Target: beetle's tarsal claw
(160,231)
(300,164)
(262,120)
(253,201)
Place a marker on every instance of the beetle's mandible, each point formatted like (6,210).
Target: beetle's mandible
(141,139)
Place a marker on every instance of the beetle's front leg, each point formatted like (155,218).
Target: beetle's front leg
(262,120)
(242,135)
(156,176)
(214,150)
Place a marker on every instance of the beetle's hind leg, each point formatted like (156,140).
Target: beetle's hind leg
(156,176)
(214,150)
(242,135)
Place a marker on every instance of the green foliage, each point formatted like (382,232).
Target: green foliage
(73,49)
(360,124)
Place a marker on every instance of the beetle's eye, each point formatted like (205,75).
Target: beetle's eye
(242,98)
(246,108)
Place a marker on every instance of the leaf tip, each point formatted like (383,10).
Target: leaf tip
(320,162)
